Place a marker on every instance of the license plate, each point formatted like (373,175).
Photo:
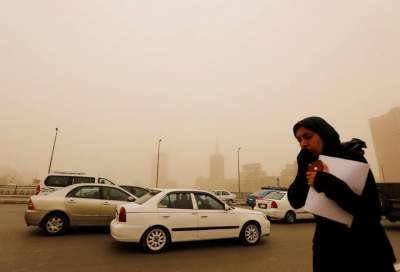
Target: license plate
(262,206)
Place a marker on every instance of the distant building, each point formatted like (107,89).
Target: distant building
(253,177)
(217,165)
(386,136)
(288,174)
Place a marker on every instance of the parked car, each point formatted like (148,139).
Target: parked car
(174,215)
(58,180)
(276,206)
(251,199)
(75,205)
(135,190)
(225,196)
(389,195)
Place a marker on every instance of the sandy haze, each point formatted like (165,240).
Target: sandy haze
(115,76)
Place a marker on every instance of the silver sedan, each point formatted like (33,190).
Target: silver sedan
(76,205)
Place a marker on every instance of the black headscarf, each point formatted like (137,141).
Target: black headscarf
(329,136)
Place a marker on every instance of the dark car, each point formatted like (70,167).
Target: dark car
(389,195)
(251,199)
(135,190)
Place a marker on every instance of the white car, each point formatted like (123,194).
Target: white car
(175,215)
(225,196)
(59,180)
(276,206)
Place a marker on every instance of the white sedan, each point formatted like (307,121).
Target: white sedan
(276,206)
(174,215)
(225,196)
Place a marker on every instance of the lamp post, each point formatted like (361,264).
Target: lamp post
(52,152)
(158,161)
(383,173)
(238,161)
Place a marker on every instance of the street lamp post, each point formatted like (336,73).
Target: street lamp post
(238,161)
(52,152)
(158,161)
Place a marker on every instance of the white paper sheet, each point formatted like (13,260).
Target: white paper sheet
(354,173)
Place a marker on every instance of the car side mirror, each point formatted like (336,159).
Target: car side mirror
(131,199)
(227,207)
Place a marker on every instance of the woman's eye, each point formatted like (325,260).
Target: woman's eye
(307,136)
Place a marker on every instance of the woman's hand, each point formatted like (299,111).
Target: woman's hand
(311,175)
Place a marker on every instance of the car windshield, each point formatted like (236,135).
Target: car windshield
(262,192)
(146,197)
(275,195)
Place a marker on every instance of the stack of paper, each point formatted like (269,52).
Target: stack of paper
(354,173)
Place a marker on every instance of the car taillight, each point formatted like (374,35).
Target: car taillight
(30,205)
(122,215)
(274,205)
(37,189)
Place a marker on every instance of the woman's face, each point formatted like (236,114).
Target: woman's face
(310,140)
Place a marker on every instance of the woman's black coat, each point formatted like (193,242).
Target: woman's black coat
(362,247)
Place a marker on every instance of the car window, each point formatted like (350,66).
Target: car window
(85,192)
(140,192)
(177,201)
(76,180)
(275,195)
(207,202)
(147,196)
(225,193)
(114,194)
(130,189)
(105,181)
(58,181)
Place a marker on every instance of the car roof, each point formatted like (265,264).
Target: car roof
(167,190)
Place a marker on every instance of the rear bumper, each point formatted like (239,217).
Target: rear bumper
(123,232)
(273,213)
(34,217)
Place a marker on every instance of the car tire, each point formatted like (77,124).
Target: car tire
(55,224)
(290,217)
(155,239)
(229,202)
(250,234)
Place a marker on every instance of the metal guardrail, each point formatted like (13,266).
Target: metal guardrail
(17,190)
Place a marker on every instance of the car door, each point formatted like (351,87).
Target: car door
(213,219)
(112,198)
(175,211)
(83,205)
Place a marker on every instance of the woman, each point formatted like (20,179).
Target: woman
(336,247)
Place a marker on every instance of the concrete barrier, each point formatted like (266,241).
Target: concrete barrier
(10,199)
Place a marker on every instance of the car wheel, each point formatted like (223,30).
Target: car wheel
(230,202)
(155,240)
(55,224)
(290,217)
(250,234)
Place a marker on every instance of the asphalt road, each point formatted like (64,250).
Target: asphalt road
(25,248)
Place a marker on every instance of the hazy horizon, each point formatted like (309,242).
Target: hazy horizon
(116,76)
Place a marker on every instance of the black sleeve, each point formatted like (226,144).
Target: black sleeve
(298,190)
(337,190)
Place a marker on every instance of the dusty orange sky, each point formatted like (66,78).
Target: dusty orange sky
(115,76)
